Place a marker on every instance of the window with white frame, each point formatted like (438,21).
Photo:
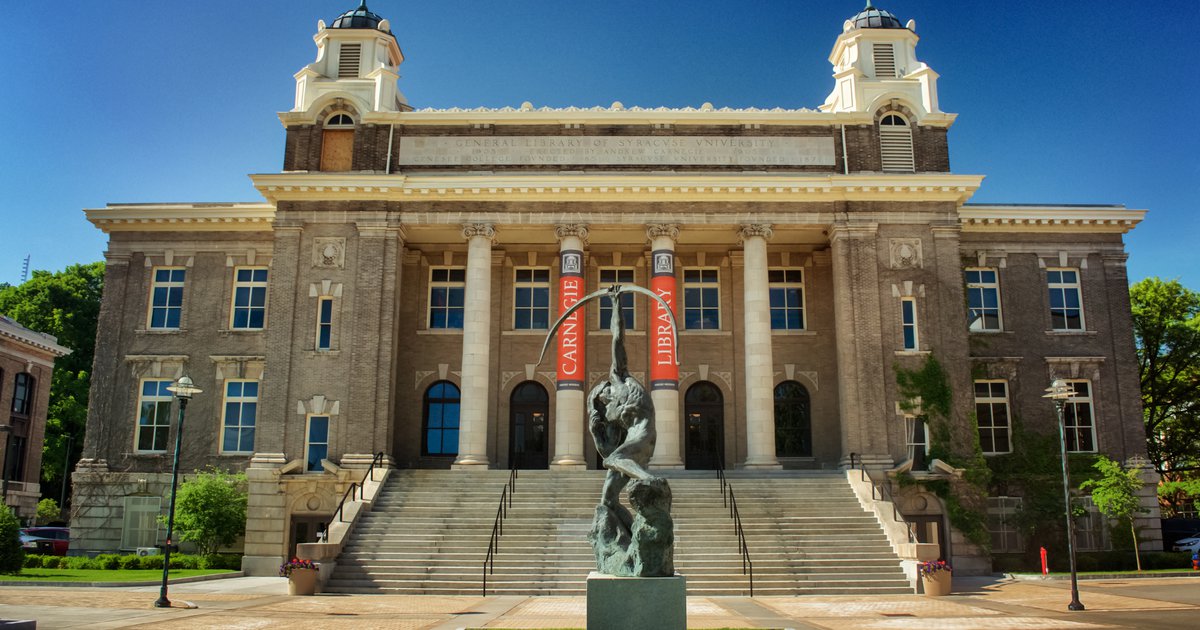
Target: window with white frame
(239,417)
(531,299)
(787,298)
(701,299)
(1001,522)
(249,298)
(1091,529)
(1079,420)
(1066,299)
(991,413)
(166,298)
(609,277)
(316,444)
(325,323)
(139,527)
(154,416)
(983,300)
(896,144)
(447,290)
(908,323)
(916,440)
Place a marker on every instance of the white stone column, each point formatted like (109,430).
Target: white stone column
(664,372)
(477,313)
(760,371)
(572,369)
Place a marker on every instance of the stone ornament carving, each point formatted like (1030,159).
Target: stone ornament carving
(572,229)
(486,230)
(755,229)
(905,253)
(329,252)
(669,230)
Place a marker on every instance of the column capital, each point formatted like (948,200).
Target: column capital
(563,230)
(749,230)
(656,230)
(487,230)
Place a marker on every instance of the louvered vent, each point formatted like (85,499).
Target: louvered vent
(885,61)
(348,61)
(895,144)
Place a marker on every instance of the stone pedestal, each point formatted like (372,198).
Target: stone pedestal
(636,603)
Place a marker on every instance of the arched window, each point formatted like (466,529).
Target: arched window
(337,142)
(793,420)
(704,434)
(529,408)
(440,425)
(896,144)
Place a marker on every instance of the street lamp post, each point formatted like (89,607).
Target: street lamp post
(6,430)
(62,498)
(1059,391)
(183,389)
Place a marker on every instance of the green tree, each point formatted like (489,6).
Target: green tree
(211,509)
(65,304)
(1166,326)
(12,556)
(48,511)
(1115,494)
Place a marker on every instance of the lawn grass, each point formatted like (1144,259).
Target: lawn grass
(100,575)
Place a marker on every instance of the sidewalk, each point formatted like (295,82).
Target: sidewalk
(983,603)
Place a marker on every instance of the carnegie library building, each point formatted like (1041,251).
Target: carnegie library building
(388,298)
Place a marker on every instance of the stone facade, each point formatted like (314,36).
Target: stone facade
(384,288)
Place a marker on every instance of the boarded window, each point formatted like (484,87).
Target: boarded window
(337,148)
(348,61)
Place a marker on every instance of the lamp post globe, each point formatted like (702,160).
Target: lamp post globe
(1059,391)
(183,389)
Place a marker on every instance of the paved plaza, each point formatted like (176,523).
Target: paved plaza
(984,603)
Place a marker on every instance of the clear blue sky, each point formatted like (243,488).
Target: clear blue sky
(135,101)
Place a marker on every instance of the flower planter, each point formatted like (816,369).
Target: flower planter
(938,583)
(302,582)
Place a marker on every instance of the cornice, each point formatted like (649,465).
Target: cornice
(193,217)
(15,332)
(615,114)
(632,187)
(1048,218)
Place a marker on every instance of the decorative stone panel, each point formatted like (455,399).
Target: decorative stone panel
(329,252)
(905,253)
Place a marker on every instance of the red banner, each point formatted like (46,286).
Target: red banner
(664,373)
(570,334)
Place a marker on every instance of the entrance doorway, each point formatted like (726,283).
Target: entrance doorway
(529,408)
(305,529)
(930,529)
(704,437)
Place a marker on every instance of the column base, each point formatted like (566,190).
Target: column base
(569,463)
(665,465)
(761,464)
(471,462)
(261,566)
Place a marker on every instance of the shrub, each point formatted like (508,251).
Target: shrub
(12,556)
(150,562)
(185,561)
(76,562)
(211,509)
(107,561)
(48,511)
(129,562)
(33,561)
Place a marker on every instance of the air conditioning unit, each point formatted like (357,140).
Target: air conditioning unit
(147,551)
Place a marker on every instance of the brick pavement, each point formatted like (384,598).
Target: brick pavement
(983,603)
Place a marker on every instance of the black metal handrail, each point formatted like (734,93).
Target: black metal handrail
(882,491)
(489,561)
(736,515)
(351,493)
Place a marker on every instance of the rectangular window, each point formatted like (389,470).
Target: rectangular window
(531,299)
(908,319)
(609,277)
(325,323)
(916,440)
(701,299)
(166,298)
(983,300)
(22,394)
(139,528)
(249,298)
(991,411)
(1066,299)
(240,416)
(1090,527)
(1001,521)
(154,416)
(316,447)
(787,298)
(447,288)
(1078,420)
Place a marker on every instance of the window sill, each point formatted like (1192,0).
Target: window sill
(793,333)
(150,454)
(990,332)
(523,332)
(236,454)
(160,331)
(323,353)
(1071,333)
(704,333)
(241,331)
(440,331)
(608,333)
(911,353)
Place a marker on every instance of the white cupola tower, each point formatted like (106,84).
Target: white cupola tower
(875,62)
(357,62)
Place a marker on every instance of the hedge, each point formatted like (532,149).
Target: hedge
(114,562)
(1094,561)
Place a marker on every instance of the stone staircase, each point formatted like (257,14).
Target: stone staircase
(428,534)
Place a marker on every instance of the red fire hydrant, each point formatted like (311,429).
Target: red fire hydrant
(1196,560)
(1045,569)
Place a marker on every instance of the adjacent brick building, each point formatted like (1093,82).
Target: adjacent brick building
(393,291)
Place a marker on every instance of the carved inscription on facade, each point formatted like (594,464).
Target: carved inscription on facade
(634,150)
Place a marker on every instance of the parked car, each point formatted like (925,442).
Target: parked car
(51,541)
(1191,543)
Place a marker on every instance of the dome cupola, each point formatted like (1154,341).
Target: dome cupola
(362,17)
(870,17)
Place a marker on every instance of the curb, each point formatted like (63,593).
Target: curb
(1037,577)
(183,580)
